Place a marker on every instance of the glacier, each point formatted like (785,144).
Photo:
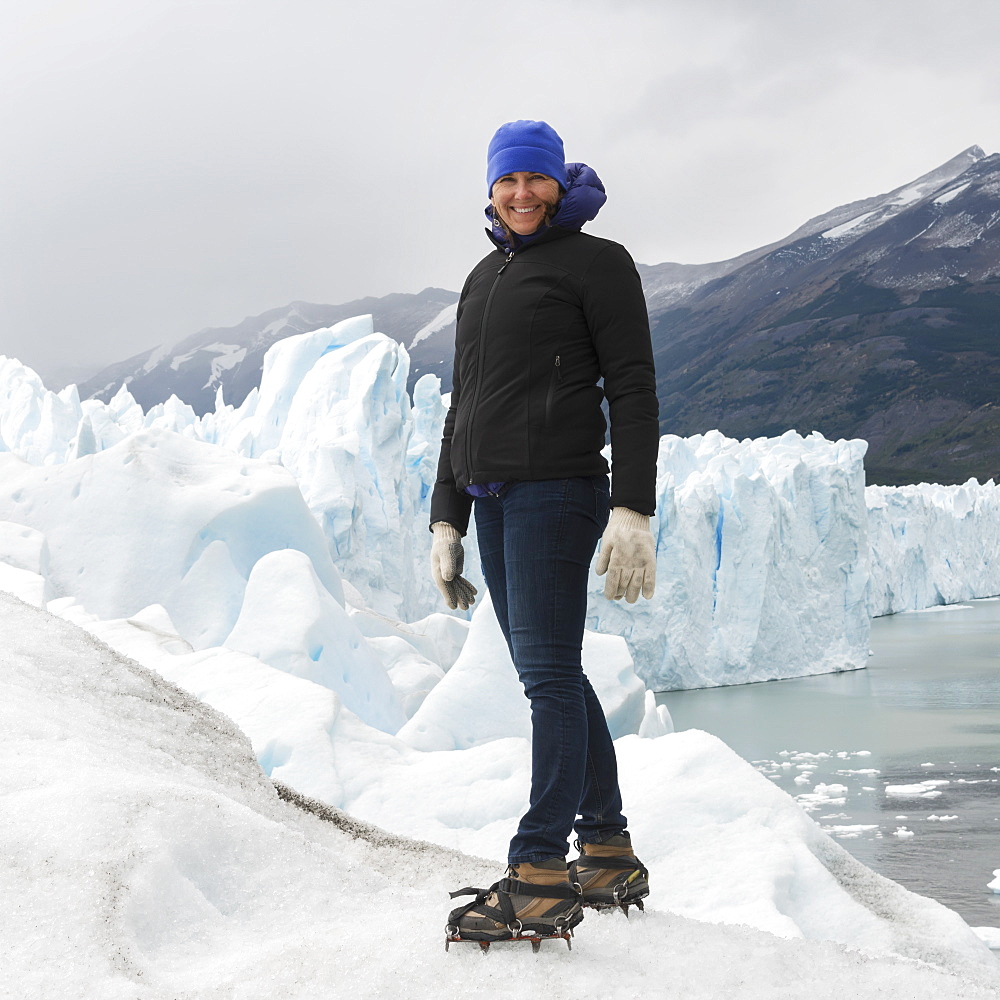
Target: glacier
(771,554)
(932,545)
(270,559)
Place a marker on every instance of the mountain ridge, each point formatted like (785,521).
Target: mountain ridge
(875,319)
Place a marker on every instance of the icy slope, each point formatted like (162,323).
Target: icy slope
(722,840)
(146,854)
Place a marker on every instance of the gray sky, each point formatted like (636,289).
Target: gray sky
(173,165)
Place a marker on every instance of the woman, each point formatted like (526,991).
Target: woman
(541,320)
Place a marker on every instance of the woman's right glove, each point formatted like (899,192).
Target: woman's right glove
(628,556)
(447,563)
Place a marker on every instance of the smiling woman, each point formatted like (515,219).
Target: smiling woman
(541,320)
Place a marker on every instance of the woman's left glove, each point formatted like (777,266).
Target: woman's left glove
(447,563)
(628,556)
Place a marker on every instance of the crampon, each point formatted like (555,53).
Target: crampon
(513,911)
(611,879)
(453,937)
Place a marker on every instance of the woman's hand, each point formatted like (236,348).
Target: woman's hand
(447,563)
(628,556)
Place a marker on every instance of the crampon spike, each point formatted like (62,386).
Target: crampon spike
(534,939)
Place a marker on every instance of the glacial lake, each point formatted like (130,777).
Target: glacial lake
(900,762)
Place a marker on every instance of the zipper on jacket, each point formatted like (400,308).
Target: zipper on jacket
(479,365)
(550,395)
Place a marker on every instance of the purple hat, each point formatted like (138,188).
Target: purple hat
(525,145)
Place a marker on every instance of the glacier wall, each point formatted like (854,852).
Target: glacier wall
(761,563)
(771,555)
(932,545)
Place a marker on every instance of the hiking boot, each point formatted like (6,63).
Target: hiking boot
(534,901)
(609,874)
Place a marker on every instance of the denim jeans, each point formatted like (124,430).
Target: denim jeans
(536,542)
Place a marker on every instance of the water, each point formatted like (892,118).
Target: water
(925,713)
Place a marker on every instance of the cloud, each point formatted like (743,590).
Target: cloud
(180,165)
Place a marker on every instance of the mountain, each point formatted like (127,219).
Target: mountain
(879,319)
(231,357)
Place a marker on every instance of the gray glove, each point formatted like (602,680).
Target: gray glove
(628,556)
(447,563)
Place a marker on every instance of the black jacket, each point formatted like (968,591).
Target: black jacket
(535,332)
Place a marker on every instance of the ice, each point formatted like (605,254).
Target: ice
(762,563)
(932,545)
(142,839)
(136,525)
(922,790)
(770,554)
(481,699)
(290,621)
(271,559)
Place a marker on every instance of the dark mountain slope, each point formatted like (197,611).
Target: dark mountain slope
(885,326)
(232,357)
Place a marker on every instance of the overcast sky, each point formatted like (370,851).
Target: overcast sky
(173,165)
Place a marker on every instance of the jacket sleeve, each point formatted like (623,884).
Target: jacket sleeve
(447,502)
(615,309)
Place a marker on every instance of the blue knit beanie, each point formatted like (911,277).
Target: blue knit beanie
(525,145)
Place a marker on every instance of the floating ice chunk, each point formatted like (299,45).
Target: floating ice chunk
(923,790)
(850,831)
(902,833)
(822,796)
(941,819)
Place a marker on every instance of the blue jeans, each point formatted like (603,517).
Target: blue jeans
(536,542)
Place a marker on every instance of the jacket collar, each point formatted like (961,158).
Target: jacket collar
(550,234)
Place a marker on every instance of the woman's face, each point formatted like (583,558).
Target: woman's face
(522,198)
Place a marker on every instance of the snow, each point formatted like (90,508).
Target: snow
(837,231)
(144,840)
(443,319)
(952,194)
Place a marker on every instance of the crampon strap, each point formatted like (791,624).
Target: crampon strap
(504,889)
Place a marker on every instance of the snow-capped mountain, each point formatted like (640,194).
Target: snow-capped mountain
(230,358)
(876,320)
(873,320)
